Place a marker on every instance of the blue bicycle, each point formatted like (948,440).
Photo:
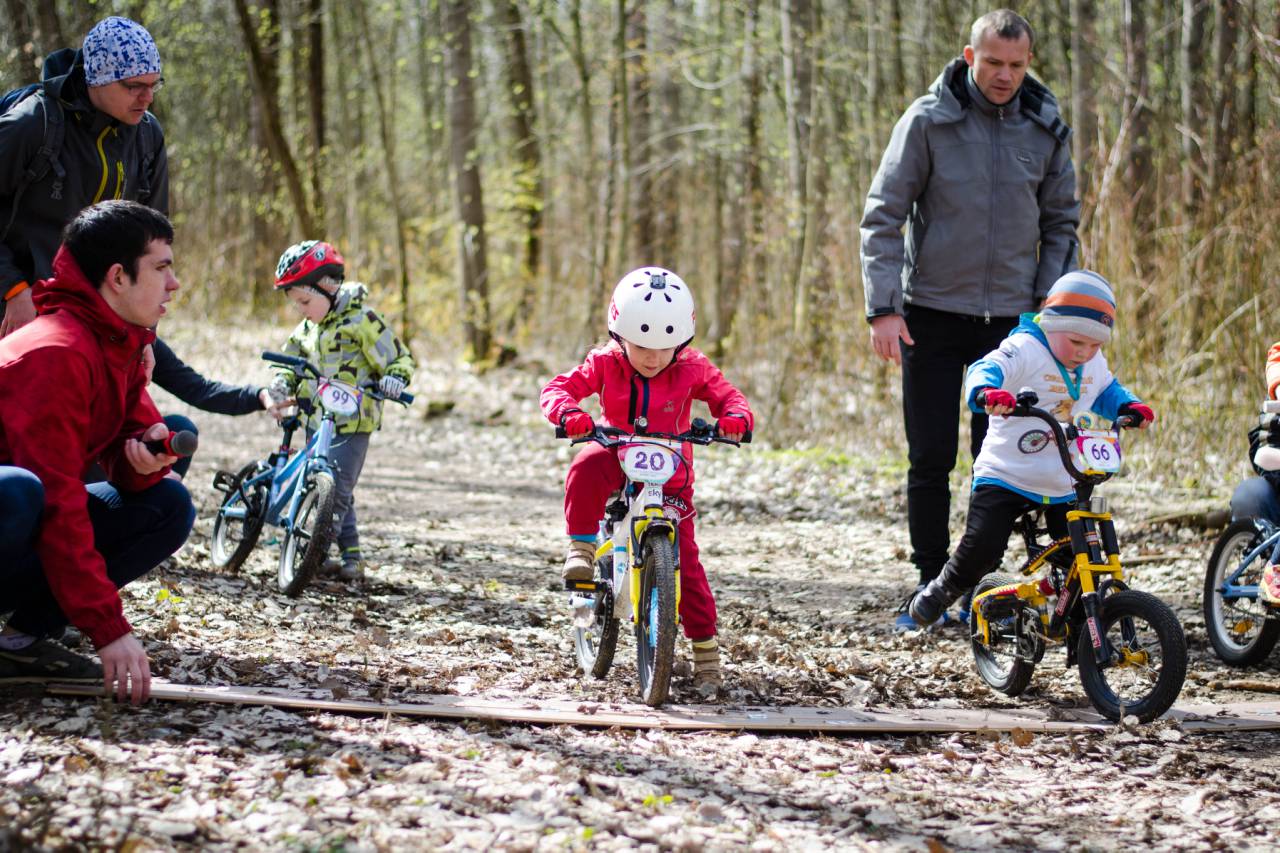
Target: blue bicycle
(292,491)
(1242,627)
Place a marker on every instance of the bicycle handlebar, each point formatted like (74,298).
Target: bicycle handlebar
(297,361)
(699,432)
(1025,407)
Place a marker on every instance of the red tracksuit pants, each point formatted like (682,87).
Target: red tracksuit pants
(594,475)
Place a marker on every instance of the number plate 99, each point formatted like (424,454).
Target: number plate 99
(340,398)
(649,463)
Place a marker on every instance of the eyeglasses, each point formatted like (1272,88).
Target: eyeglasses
(136,89)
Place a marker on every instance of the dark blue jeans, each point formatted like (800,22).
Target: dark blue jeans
(932,385)
(1256,498)
(132,532)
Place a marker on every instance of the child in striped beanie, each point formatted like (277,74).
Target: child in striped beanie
(1058,354)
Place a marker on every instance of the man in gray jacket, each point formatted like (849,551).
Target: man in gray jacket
(91,109)
(979,171)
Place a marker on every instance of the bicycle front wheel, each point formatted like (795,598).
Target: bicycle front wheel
(307,541)
(239,521)
(1236,620)
(1148,661)
(656,619)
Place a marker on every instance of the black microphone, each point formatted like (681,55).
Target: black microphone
(181,443)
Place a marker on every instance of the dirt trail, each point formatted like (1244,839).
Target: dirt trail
(461,517)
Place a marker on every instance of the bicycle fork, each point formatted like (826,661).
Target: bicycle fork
(648,519)
(1097,552)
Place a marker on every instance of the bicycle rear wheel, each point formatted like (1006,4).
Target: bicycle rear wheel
(1006,662)
(1148,662)
(656,619)
(307,541)
(239,521)
(596,640)
(1237,624)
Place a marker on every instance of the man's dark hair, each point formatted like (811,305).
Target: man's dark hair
(114,232)
(1005,23)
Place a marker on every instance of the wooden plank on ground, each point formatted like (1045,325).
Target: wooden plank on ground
(1238,717)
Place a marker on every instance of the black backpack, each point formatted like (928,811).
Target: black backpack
(57,64)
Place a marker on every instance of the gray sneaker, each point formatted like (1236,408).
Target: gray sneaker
(46,660)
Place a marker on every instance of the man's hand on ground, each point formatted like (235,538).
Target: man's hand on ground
(143,460)
(888,333)
(18,312)
(126,670)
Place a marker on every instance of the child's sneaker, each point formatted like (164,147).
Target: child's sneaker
(579,563)
(47,660)
(707,677)
(930,604)
(1269,586)
(352,570)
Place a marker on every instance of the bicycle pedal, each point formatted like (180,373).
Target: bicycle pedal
(224,481)
(584,586)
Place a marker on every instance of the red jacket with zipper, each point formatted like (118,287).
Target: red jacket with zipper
(72,386)
(665,400)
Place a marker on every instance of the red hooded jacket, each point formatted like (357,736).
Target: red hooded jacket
(72,386)
(665,400)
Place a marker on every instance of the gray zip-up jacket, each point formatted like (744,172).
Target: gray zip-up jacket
(988,195)
(101,157)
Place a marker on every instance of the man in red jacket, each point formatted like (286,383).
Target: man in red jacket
(72,385)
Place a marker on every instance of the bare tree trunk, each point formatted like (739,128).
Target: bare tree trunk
(26,50)
(638,153)
(315,101)
(742,232)
(797,65)
(895,33)
(1226,36)
(1249,71)
(264,78)
(528,155)
(1084,108)
(1193,105)
(1138,110)
(390,167)
(668,149)
(463,140)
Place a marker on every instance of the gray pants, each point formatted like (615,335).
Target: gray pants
(347,455)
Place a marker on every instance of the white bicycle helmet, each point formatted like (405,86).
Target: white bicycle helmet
(652,307)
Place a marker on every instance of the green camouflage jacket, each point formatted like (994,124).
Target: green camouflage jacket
(352,344)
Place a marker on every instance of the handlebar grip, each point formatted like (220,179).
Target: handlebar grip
(746,437)
(405,397)
(1128,422)
(281,358)
(560,433)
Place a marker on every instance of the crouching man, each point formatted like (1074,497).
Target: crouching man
(72,393)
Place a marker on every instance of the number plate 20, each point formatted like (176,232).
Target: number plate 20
(649,463)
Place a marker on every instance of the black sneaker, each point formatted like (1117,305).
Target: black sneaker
(46,660)
(932,602)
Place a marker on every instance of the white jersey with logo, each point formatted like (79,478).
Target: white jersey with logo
(1019,451)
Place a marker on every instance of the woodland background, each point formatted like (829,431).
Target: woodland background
(493,167)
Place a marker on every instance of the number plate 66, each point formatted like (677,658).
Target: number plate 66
(1100,451)
(649,463)
(340,398)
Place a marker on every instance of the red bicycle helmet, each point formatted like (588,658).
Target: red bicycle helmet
(307,262)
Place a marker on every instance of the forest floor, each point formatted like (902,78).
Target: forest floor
(461,519)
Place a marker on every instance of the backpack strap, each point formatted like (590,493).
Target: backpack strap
(148,150)
(46,156)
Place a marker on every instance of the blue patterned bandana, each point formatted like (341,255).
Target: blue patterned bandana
(117,49)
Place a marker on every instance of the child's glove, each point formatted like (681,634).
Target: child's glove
(391,386)
(997,401)
(732,427)
(1139,410)
(577,424)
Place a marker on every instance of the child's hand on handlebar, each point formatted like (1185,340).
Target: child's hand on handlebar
(731,427)
(1142,411)
(578,424)
(997,401)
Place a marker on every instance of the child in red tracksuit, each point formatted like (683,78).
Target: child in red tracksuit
(649,371)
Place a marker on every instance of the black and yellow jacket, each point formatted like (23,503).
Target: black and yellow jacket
(99,158)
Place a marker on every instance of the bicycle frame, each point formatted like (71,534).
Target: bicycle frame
(1271,541)
(285,473)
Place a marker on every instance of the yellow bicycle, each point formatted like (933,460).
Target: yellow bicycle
(1128,645)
